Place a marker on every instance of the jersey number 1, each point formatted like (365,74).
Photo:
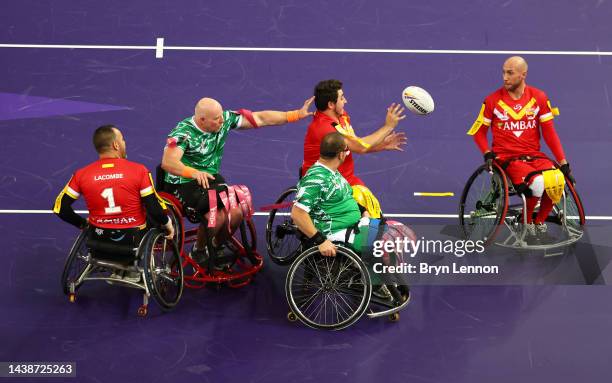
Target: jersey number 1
(107,194)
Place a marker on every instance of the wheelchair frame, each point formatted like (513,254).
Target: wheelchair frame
(152,272)
(509,214)
(237,274)
(285,229)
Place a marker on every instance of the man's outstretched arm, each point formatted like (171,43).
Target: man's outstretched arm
(273,117)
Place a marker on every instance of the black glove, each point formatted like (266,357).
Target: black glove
(522,188)
(488,158)
(567,172)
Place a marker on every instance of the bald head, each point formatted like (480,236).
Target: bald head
(515,73)
(516,62)
(208,114)
(207,107)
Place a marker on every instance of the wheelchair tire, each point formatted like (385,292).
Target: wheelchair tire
(75,263)
(282,236)
(329,293)
(484,204)
(162,269)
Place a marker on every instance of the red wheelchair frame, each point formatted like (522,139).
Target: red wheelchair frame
(239,273)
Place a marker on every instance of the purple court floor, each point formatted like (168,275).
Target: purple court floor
(544,319)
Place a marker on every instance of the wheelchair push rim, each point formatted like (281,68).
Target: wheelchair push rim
(484,204)
(162,269)
(282,236)
(328,293)
(175,215)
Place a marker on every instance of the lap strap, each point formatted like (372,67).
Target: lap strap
(236,195)
(504,165)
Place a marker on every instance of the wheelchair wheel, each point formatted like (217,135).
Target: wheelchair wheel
(76,263)
(247,235)
(328,293)
(162,269)
(283,239)
(484,204)
(573,211)
(177,222)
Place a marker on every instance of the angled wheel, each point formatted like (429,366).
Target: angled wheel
(76,264)
(162,269)
(283,239)
(484,204)
(328,293)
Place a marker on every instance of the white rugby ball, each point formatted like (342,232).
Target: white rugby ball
(417,100)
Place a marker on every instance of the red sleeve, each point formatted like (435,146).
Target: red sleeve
(146,187)
(549,133)
(74,190)
(480,138)
(552,140)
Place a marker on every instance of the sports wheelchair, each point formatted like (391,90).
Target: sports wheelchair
(155,261)
(332,293)
(486,213)
(233,262)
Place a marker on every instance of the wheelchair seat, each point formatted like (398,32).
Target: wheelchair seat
(113,252)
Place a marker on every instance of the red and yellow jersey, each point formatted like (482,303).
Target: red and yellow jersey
(515,124)
(320,126)
(112,188)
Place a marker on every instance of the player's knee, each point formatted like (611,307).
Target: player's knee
(537,186)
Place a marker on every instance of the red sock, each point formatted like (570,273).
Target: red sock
(531,203)
(545,208)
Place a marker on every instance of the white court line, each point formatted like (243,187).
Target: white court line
(319,50)
(391,215)
(67,46)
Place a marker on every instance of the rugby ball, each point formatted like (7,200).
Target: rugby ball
(417,100)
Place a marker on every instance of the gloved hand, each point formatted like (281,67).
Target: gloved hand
(567,172)
(488,158)
(522,188)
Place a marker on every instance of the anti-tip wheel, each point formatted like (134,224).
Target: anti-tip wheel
(291,316)
(142,311)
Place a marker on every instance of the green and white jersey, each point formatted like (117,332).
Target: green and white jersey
(328,199)
(202,150)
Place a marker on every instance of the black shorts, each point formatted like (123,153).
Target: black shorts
(117,245)
(192,195)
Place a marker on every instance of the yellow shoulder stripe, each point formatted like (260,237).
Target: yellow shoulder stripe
(58,201)
(478,123)
(161,201)
(555,111)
